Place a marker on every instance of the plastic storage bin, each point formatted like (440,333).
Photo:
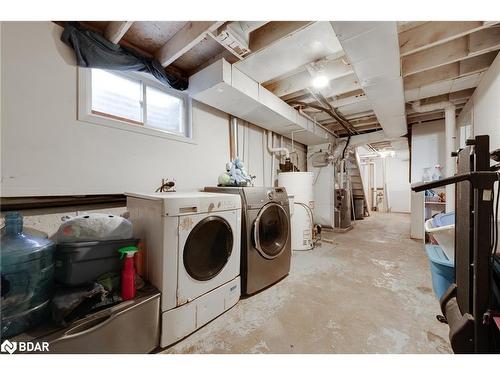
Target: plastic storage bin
(442,269)
(27,276)
(79,263)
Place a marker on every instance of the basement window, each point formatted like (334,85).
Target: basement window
(134,102)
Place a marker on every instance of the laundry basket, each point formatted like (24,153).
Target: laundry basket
(442,269)
(442,228)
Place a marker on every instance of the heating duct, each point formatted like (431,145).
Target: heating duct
(451,137)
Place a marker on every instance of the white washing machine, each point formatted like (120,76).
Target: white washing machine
(192,243)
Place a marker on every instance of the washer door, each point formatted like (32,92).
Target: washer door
(271,230)
(208,248)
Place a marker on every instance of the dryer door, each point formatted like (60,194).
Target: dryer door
(270,230)
(208,248)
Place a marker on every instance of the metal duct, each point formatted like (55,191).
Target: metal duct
(378,72)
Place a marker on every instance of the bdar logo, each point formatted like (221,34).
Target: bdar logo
(8,347)
(21,346)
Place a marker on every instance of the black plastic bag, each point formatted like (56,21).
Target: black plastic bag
(92,50)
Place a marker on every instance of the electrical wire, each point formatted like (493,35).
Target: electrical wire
(345,147)
(311,216)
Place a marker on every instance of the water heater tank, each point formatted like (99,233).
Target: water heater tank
(300,185)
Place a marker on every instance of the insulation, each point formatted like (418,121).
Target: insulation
(92,50)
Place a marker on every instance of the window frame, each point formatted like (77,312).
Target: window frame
(86,114)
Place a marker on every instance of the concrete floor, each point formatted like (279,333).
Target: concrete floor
(367,292)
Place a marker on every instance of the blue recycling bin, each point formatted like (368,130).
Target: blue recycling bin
(442,269)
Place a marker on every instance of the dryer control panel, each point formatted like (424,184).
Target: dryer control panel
(277,194)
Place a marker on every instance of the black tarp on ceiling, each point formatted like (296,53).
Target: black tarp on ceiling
(92,50)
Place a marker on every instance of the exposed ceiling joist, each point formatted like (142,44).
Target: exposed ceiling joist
(115,30)
(348,96)
(357,96)
(191,34)
(360,115)
(274,31)
(444,87)
(451,71)
(477,43)
(434,33)
(430,116)
(363,122)
(361,128)
(290,85)
(299,95)
(407,25)
(452,96)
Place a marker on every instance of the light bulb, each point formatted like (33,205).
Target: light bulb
(320,81)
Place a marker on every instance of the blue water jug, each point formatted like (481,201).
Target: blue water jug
(27,274)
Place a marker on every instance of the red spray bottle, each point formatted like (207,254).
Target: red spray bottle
(128,272)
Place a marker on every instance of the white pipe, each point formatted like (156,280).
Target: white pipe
(275,150)
(233,137)
(451,142)
(451,145)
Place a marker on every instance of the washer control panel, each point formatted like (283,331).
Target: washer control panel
(277,195)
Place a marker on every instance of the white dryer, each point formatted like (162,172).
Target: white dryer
(192,245)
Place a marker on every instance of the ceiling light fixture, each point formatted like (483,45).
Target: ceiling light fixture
(320,81)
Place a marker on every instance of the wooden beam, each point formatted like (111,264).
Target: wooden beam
(116,30)
(484,40)
(478,63)
(462,94)
(451,71)
(366,121)
(274,31)
(186,38)
(299,95)
(356,96)
(457,96)
(407,25)
(434,33)
(424,117)
(290,85)
(475,44)
(337,127)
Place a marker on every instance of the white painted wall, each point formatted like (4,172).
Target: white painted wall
(481,114)
(482,111)
(398,186)
(427,148)
(47,151)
